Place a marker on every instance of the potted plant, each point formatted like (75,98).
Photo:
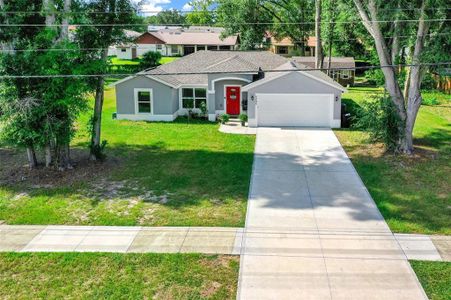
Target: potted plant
(243,119)
(224,118)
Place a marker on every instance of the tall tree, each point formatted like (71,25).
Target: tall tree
(167,17)
(319,45)
(102,32)
(407,104)
(201,13)
(40,111)
(246,18)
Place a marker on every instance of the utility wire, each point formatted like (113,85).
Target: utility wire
(186,11)
(148,71)
(100,49)
(242,23)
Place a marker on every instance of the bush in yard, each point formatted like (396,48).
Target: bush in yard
(224,118)
(380,119)
(428,83)
(150,59)
(243,119)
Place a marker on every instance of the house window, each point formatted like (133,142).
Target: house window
(143,99)
(193,97)
(159,47)
(282,50)
(123,50)
(345,74)
(174,49)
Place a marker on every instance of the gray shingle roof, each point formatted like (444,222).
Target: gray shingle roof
(227,62)
(336,62)
(215,61)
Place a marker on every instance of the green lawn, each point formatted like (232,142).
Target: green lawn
(118,61)
(165,174)
(117,276)
(136,61)
(435,277)
(413,193)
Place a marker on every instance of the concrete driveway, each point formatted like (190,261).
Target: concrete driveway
(312,229)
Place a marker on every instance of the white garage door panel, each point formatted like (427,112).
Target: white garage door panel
(314,110)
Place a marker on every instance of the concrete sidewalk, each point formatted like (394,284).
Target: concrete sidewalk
(329,240)
(210,240)
(217,240)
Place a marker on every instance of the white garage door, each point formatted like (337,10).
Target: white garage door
(312,110)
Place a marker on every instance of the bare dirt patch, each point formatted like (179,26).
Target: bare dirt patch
(14,170)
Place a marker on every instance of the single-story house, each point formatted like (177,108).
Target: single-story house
(270,89)
(127,50)
(184,41)
(344,77)
(285,46)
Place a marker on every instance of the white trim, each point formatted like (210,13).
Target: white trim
(135,93)
(122,80)
(184,111)
(323,81)
(225,95)
(226,78)
(147,117)
(161,81)
(263,81)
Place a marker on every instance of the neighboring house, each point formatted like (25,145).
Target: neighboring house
(126,50)
(344,77)
(184,41)
(285,46)
(237,83)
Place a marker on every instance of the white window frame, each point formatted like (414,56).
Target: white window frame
(159,47)
(345,74)
(193,87)
(136,91)
(174,47)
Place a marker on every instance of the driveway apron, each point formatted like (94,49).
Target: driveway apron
(312,229)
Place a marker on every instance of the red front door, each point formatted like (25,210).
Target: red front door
(233,99)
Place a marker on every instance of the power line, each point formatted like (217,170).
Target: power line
(146,73)
(186,11)
(242,23)
(101,49)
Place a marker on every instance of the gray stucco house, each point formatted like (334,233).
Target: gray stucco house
(265,86)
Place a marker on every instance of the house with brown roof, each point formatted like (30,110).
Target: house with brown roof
(184,41)
(285,46)
(345,76)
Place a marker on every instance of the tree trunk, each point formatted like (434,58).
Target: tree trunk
(48,155)
(49,8)
(65,22)
(97,117)
(318,47)
(302,29)
(331,34)
(414,88)
(31,155)
(391,83)
(395,40)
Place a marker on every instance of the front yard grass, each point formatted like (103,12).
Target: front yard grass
(117,276)
(435,277)
(157,174)
(412,193)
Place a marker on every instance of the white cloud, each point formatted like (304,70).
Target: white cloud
(187,7)
(151,7)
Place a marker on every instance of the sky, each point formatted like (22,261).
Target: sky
(159,5)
